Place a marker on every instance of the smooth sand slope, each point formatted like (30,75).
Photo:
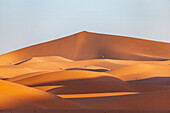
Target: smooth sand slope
(14,96)
(10,71)
(141,71)
(87,45)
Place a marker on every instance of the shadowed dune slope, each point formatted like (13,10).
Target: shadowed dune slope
(150,100)
(73,81)
(87,45)
(15,96)
(79,82)
(165,81)
(52,77)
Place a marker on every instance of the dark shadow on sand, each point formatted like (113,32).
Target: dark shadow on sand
(153,81)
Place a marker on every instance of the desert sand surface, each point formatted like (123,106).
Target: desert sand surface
(88,73)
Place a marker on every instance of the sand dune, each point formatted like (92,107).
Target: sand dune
(23,76)
(14,96)
(48,59)
(8,72)
(151,100)
(90,64)
(87,45)
(69,96)
(141,71)
(53,78)
(78,82)
(153,81)
(87,72)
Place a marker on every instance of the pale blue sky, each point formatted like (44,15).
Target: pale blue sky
(28,22)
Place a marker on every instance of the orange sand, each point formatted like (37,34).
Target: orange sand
(87,71)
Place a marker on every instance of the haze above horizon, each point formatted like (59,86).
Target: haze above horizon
(28,22)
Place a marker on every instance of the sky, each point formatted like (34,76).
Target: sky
(28,22)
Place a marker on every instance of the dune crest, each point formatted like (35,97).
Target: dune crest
(87,71)
(87,45)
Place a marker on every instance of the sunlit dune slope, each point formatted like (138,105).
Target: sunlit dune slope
(103,63)
(48,59)
(86,95)
(49,63)
(141,71)
(42,66)
(23,76)
(87,45)
(15,96)
(12,71)
(55,63)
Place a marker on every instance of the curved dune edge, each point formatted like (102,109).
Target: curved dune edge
(141,71)
(96,94)
(48,59)
(15,96)
(87,45)
(52,77)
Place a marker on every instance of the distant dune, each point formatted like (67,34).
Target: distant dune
(89,73)
(87,45)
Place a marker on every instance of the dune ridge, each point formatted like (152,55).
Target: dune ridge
(86,45)
(87,72)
